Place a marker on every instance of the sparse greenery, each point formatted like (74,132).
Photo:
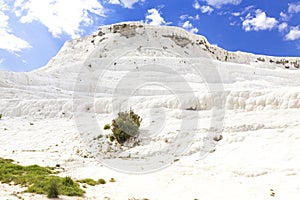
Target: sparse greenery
(88,181)
(92,182)
(106,126)
(0,116)
(38,179)
(126,125)
(99,136)
(111,138)
(112,180)
(101,181)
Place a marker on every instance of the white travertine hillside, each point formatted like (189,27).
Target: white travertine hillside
(241,73)
(77,50)
(237,116)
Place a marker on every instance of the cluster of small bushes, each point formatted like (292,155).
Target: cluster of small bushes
(125,126)
(92,182)
(42,180)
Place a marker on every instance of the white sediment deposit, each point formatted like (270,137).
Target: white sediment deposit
(188,93)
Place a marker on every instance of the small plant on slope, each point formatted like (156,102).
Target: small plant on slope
(88,181)
(112,180)
(101,181)
(106,126)
(125,126)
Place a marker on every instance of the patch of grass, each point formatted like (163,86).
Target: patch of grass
(101,181)
(37,179)
(67,181)
(112,180)
(53,190)
(92,182)
(111,138)
(88,181)
(99,136)
(106,126)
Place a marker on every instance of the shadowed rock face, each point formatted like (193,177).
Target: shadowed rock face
(180,41)
(126,30)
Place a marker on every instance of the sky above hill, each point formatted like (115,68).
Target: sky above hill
(33,31)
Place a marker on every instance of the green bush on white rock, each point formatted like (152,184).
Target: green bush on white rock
(125,126)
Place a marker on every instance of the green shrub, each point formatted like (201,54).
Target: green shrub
(106,126)
(53,190)
(99,136)
(112,180)
(101,181)
(125,126)
(111,138)
(0,116)
(88,181)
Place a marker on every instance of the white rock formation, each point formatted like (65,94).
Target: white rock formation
(187,91)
